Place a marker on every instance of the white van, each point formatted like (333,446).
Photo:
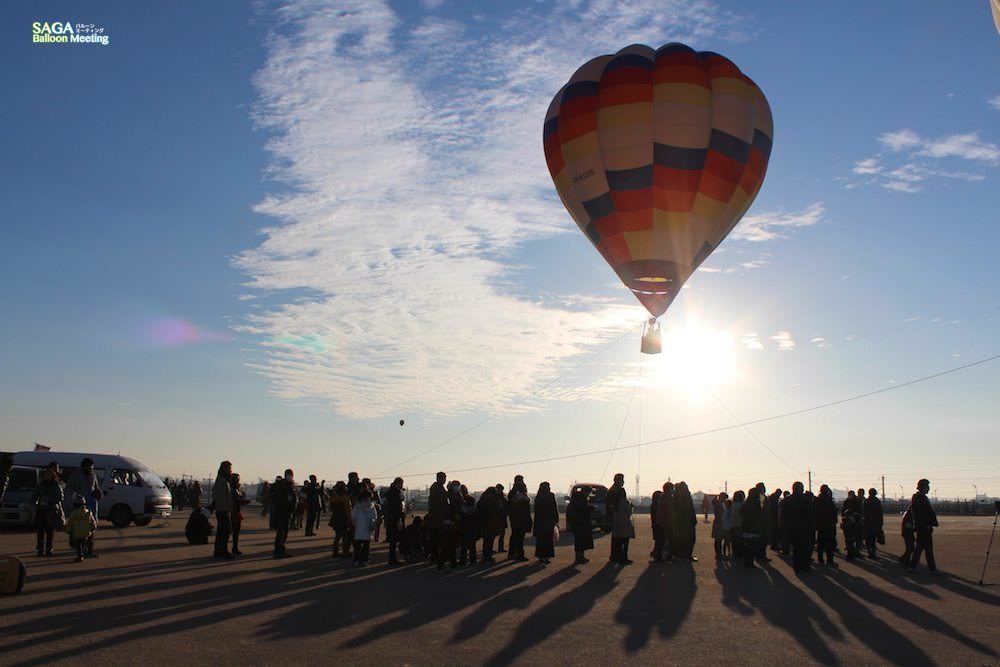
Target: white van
(132,493)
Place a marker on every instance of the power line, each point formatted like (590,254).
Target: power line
(720,429)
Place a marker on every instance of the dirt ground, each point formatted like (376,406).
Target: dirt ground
(150,596)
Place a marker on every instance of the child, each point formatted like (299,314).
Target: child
(363,517)
(412,544)
(80,524)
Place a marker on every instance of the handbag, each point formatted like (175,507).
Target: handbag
(880,538)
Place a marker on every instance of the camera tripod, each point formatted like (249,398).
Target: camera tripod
(996,515)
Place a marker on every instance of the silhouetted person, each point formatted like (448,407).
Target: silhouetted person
(852,523)
(872,511)
(519,511)
(798,521)
(48,501)
(771,506)
(363,518)
(546,520)
(718,532)
(283,499)
(825,512)
(222,498)
(311,490)
(448,534)
(83,483)
(236,516)
(685,522)
(665,531)
(340,520)
(736,528)
(198,527)
(583,535)
(616,498)
(468,527)
(909,537)
(519,485)
(393,511)
(924,522)
(492,520)
(503,529)
(437,512)
(753,527)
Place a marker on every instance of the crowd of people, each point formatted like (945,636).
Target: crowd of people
(797,522)
(459,528)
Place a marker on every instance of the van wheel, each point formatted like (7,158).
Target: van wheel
(121,516)
(142,520)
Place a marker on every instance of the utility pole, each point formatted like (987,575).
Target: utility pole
(810,472)
(883,487)
(637,497)
(727,487)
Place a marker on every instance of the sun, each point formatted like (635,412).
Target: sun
(694,357)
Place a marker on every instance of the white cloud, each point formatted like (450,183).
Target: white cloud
(751,341)
(784,341)
(900,140)
(772,225)
(925,158)
(995,102)
(411,168)
(819,341)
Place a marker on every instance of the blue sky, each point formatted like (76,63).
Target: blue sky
(269,232)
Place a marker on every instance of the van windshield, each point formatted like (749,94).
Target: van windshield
(150,478)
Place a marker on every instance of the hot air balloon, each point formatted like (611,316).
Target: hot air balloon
(657,154)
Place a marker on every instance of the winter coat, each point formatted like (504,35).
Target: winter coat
(492,519)
(621,525)
(753,516)
(363,517)
(583,532)
(393,505)
(340,511)
(48,494)
(924,517)
(437,506)
(872,510)
(519,509)
(80,524)
(222,494)
(546,513)
(282,494)
(80,484)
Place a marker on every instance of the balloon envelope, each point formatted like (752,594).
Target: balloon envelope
(657,155)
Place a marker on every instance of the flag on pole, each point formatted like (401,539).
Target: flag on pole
(42,448)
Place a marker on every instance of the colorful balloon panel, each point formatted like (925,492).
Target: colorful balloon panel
(657,155)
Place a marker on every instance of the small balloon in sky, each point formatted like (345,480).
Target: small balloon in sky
(401,422)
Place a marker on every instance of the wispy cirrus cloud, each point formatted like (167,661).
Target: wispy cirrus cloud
(907,160)
(784,340)
(772,225)
(409,151)
(994,102)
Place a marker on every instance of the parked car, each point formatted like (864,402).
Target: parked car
(598,502)
(17,509)
(131,492)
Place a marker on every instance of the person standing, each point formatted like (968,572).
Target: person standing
(753,527)
(583,532)
(437,512)
(468,526)
(283,499)
(685,521)
(825,513)
(851,521)
(312,505)
(924,522)
(622,528)
(909,537)
(615,498)
(239,500)
(519,509)
(503,529)
(872,510)
(48,502)
(492,520)
(798,521)
(771,506)
(222,498)
(546,520)
(340,520)
(194,495)
(363,519)
(665,532)
(83,483)
(394,511)
(718,528)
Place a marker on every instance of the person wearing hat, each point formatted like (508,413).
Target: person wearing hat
(48,501)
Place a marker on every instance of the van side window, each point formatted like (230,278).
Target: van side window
(125,478)
(22,479)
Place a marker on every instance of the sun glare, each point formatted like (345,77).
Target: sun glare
(694,356)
